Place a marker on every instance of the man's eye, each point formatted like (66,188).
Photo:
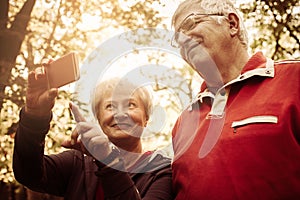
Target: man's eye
(187,25)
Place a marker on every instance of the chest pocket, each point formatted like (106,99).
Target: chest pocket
(254,120)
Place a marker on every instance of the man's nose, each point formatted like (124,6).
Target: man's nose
(184,38)
(186,42)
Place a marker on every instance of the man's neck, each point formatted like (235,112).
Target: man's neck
(232,64)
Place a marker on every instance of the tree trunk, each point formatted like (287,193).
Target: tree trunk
(12,34)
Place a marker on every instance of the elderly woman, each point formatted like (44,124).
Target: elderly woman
(116,166)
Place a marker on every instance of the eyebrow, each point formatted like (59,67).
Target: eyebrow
(122,100)
(184,19)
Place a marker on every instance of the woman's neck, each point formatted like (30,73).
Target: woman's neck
(131,157)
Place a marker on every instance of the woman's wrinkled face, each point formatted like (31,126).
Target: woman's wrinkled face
(122,115)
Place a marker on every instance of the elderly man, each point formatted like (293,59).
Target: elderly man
(240,138)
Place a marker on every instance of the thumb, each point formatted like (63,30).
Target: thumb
(68,144)
(52,93)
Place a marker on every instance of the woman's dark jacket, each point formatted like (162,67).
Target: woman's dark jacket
(75,176)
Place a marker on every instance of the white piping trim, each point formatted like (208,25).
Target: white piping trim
(288,62)
(267,71)
(255,119)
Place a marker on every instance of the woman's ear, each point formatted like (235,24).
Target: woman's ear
(146,121)
(234,24)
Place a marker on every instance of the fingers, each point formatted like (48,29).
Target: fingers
(97,146)
(68,144)
(37,78)
(92,138)
(76,113)
(74,142)
(31,76)
(47,62)
(39,72)
(78,146)
(46,98)
(74,137)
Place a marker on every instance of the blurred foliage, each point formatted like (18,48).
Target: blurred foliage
(275,26)
(35,31)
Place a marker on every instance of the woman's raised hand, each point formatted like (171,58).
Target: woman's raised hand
(87,137)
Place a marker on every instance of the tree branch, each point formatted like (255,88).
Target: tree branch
(22,18)
(3,14)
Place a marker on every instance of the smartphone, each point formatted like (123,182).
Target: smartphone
(63,71)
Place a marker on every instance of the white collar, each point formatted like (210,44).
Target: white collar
(267,71)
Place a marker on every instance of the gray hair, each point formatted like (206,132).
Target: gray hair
(224,7)
(112,84)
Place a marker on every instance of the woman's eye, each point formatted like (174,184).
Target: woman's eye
(131,105)
(109,106)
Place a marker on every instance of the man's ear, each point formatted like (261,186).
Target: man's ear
(234,24)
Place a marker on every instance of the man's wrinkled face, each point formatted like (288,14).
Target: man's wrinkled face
(201,40)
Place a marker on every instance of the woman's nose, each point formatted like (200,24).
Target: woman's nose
(121,113)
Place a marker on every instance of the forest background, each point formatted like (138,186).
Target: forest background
(32,31)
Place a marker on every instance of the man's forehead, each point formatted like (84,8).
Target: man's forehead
(184,12)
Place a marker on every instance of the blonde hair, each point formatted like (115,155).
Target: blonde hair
(111,85)
(222,7)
